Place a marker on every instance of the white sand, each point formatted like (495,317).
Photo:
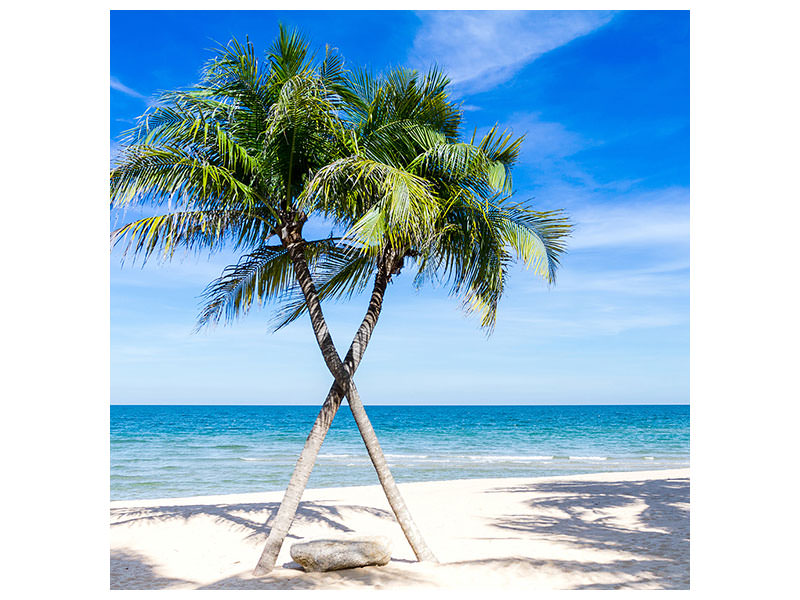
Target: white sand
(608,530)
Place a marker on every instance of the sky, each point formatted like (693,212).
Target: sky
(603,99)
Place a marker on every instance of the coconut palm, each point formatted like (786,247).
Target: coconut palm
(250,152)
(230,159)
(467,245)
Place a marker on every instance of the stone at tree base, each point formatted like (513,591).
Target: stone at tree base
(343,553)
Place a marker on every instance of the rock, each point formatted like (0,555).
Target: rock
(343,553)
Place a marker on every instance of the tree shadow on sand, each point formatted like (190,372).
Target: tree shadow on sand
(361,578)
(255,518)
(129,569)
(574,516)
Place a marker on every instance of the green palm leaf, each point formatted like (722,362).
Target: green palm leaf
(261,276)
(338,275)
(193,230)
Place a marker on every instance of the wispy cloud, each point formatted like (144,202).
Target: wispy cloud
(595,323)
(186,269)
(481,49)
(114,149)
(547,157)
(656,218)
(545,140)
(660,280)
(116,84)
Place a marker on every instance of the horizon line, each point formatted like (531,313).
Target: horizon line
(439,405)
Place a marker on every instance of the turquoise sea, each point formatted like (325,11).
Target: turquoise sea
(172,451)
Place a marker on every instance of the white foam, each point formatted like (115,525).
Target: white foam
(588,457)
(406,455)
(508,458)
(649,458)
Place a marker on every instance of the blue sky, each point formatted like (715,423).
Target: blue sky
(604,101)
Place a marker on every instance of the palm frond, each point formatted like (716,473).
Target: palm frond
(156,174)
(501,148)
(538,238)
(471,251)
(264,275)
(235,74)
(288,56)
(193,230)
(381,201)
(337,275)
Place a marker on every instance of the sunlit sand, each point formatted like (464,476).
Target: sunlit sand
(598,531)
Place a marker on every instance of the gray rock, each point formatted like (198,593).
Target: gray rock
(342,553)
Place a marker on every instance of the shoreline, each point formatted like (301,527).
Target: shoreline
(261,494)
(589,531)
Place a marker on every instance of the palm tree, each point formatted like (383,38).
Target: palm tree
(230,159)
(250,152)
(467,244)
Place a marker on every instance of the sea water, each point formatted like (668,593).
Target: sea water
(173,451)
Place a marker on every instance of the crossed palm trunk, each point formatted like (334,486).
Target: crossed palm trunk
(343,385)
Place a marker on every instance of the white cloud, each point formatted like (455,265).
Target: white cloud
(659,280)
(546,154)
(481,49)
(114,149)
(655,218)
(116,84)
(545,141)
(594,321)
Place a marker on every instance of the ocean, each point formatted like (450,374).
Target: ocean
(174,451)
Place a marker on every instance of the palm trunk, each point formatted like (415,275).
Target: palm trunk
(401,512)
(302,471)
(294,246)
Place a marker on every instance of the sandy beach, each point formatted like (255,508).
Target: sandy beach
(598,531)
